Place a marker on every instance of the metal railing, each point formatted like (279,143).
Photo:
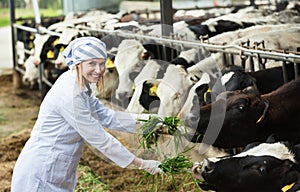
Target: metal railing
(228,50)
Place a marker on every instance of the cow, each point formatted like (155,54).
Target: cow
(131,58)
(283,39)
(242,19)
(230,36)
(265,80)
(144,98)
(179,28)
(42,50)
(47,50)
(173,90)
(235,78)
(170,81)
(67,35)
(269,166)
(31,74)
(109,80)
(141,100)
(239,117)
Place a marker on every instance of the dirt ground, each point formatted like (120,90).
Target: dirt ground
(18,112)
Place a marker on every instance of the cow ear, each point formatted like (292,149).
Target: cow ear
(272,139)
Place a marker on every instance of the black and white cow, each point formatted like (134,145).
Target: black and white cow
(145,97)
(236,78)
(43,50)
(268,167)
(129,61)
(265,80)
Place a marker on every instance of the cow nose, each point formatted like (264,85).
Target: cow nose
(196,170)
(123,95)
(208,166)
(191,120)
(26,80)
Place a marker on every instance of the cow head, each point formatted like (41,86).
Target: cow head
(128,59)
(173,90)
(237,80)
(31,75)
(263,167)
(244,111)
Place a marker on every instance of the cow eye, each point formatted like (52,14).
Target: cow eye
(242,108)
(240,104)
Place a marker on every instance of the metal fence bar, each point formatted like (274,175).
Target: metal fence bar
(230,49)
(233,49)
(224,49)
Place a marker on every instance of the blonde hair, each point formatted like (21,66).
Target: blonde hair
(80,79)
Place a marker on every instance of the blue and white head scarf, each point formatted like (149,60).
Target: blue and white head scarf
(82,49)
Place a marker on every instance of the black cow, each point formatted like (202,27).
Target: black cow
(268,167)
(248,117)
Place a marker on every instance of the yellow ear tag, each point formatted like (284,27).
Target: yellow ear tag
(287,187)
(152,91)
(62,49)
(109,63)
(30,44)
(50,54)
(55,42)
(208,90)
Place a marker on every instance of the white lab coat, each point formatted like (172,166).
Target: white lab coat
(67,118)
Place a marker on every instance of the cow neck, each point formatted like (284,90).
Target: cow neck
(283,102)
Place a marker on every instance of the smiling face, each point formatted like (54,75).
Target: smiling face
(93,69)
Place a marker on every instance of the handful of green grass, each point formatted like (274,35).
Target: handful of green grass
(177,164)
(173,167)
(155,126)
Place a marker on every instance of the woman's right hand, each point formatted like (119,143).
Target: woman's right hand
(151,166)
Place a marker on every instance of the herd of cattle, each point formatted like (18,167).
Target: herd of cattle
(237,104)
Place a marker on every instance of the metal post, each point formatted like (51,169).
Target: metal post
(284,72)
(12,21)
(36,9)
(37,17)
(296,69)
(16,75)
(166,17)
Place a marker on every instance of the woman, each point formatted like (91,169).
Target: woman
(68,117)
